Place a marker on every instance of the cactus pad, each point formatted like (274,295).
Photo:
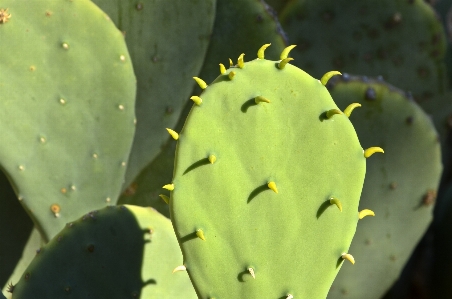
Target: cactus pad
(267,180)
(400,185)
(116,252)
(66,108)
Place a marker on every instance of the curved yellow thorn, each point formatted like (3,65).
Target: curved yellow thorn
(286,51)
(337,202)
(169,187)
(231,75)
(212,159)
(165,198)
(260,52)
(251,270)
(350,108)
(272,185)
(231,64)
(200,82)
(222,69)
(261,99)
(283,62)
(348,257)
(179,268)
(327,76)
(365,212)
(200,234)
(372,150)
(330,113)
(173,134)
(196,99)
(240,61)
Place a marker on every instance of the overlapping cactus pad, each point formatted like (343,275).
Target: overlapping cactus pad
(67,94)
(116,252)
(267,181)
(400,185)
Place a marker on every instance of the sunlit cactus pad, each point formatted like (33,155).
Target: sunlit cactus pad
(116,252)
(267,181)
(67,95)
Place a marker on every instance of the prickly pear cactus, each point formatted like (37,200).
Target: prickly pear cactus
(116,252)
(266,186)
(66,108)
(400,186)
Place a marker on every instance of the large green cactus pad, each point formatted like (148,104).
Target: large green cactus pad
(400,185)
(67,93)
(291,239)
(372,38)
(167,43)
(116,252)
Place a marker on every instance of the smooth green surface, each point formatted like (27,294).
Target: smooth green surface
(116,252)
(401,40)
(395,187)
(66,108)
(292,239)
(167,41)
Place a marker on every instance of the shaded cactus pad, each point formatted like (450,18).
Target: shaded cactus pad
(116,252)
(267,181)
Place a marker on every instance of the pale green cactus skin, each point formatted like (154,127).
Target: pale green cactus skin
(233,152)
(66,108)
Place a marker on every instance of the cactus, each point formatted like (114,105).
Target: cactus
(400,186)
(67,108)
(116,252)
(378,40)
(167,43)
(266,186)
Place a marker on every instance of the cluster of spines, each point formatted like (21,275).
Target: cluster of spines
(284,59)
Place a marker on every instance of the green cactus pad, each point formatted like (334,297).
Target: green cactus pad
(167,43)
(400,186)
(377,40)
(66,108)
(116,252)
(253,181)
